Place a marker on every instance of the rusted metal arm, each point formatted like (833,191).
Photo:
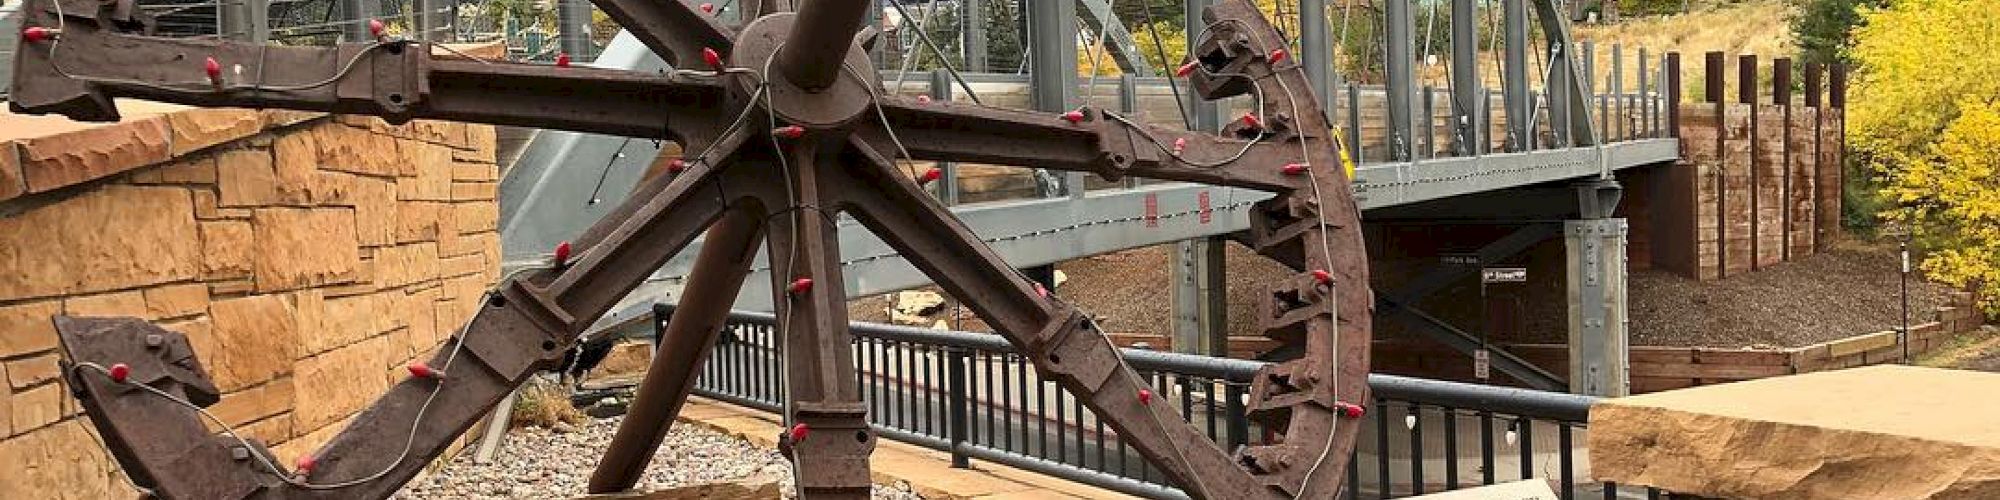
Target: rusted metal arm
(78,74)
(1111,146)
(1063,344)
(674,29)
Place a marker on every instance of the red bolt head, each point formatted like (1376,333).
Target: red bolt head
(375,28)
(119,372)
(930,176)
(38,34)
(1349,410)
(1041,290)
(306,464)
(789,132)
(419,369)
(676,165)
(708,8)
(562,59)
(1187,69)
(1145,396)
(1250,120)
(213,68)
(1073,117)
(799,432)
(801,285)
(1278,55)
(1323,277)
(1180,145)
(562,254)
(1294,168)
(923,99)
(713,59)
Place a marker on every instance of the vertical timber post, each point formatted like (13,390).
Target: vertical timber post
(1746,94)
(1712,90)
(1466,87)
(1781,95)
(1401,78)
(1594,249)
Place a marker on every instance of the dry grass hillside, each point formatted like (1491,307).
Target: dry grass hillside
(1760,27)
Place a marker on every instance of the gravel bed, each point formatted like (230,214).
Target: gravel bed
(539,463)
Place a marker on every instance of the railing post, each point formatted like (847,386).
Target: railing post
(1239,422)
(956,359)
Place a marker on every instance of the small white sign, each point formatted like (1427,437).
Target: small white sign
(1528,489)
(1504,274)
(1482,361)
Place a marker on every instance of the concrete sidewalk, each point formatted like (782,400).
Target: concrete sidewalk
(928,472)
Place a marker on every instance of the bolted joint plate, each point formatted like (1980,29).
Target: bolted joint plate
(838,443)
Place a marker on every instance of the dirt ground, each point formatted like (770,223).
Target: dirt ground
(1847,291)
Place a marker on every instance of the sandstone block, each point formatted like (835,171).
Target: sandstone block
(275,429)
(12,185)
(227,247)
(471,243)
(405,264)
(126,303)
(364,281)
(255,339)
(1874,432)
(200,333)
(340,381)
(246,178)
(174,301)
(303,247)
(475,217)
(375,210)
(481,144)
(27,328)
(248,405)
(31,371)
(461,265)
(6,408)
(295,160)
(197,169)
(109,238)
(199,128)
(69,158)
(275,118)
(428,172)
(474,191)
(208,206)
(309,439)
(471,171)
(418,220)
(37,407)
(347,320)
(61,462)
(355,150)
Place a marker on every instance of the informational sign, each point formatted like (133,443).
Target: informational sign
(1503,274)
(1459,258)
(1482,361)
(1527,489)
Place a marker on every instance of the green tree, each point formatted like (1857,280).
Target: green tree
(1825,28)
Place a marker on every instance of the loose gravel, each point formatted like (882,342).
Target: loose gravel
(540,463)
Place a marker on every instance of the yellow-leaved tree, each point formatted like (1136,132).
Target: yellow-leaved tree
(1925,114)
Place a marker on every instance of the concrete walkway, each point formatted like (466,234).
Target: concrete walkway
(928,472)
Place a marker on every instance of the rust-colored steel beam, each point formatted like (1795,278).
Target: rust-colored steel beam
(787,155)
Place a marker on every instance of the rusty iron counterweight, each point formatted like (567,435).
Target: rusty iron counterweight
(794,92)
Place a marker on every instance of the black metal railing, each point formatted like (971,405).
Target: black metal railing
(973,396)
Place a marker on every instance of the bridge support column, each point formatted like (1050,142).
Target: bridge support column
(1595,263)
(1201,297)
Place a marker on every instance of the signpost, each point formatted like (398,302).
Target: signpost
(1482,359)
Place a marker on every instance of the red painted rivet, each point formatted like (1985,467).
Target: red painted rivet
(923,99)
(930,176)
(1323,277)
(1250,120)
(1278,55)
(1073,117)
(799,286)
(1145,396)
(1041,290)
(676,165)
(799,432)
(1349,410)
(1187,69)
(306,464)
(38,34)
(708,8)
(713,58)
(1180,145)
(562,59)
(119,372)
(789,132)
(419,369)
(375,28)
(562,254)
(1294,168)
(214,70)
